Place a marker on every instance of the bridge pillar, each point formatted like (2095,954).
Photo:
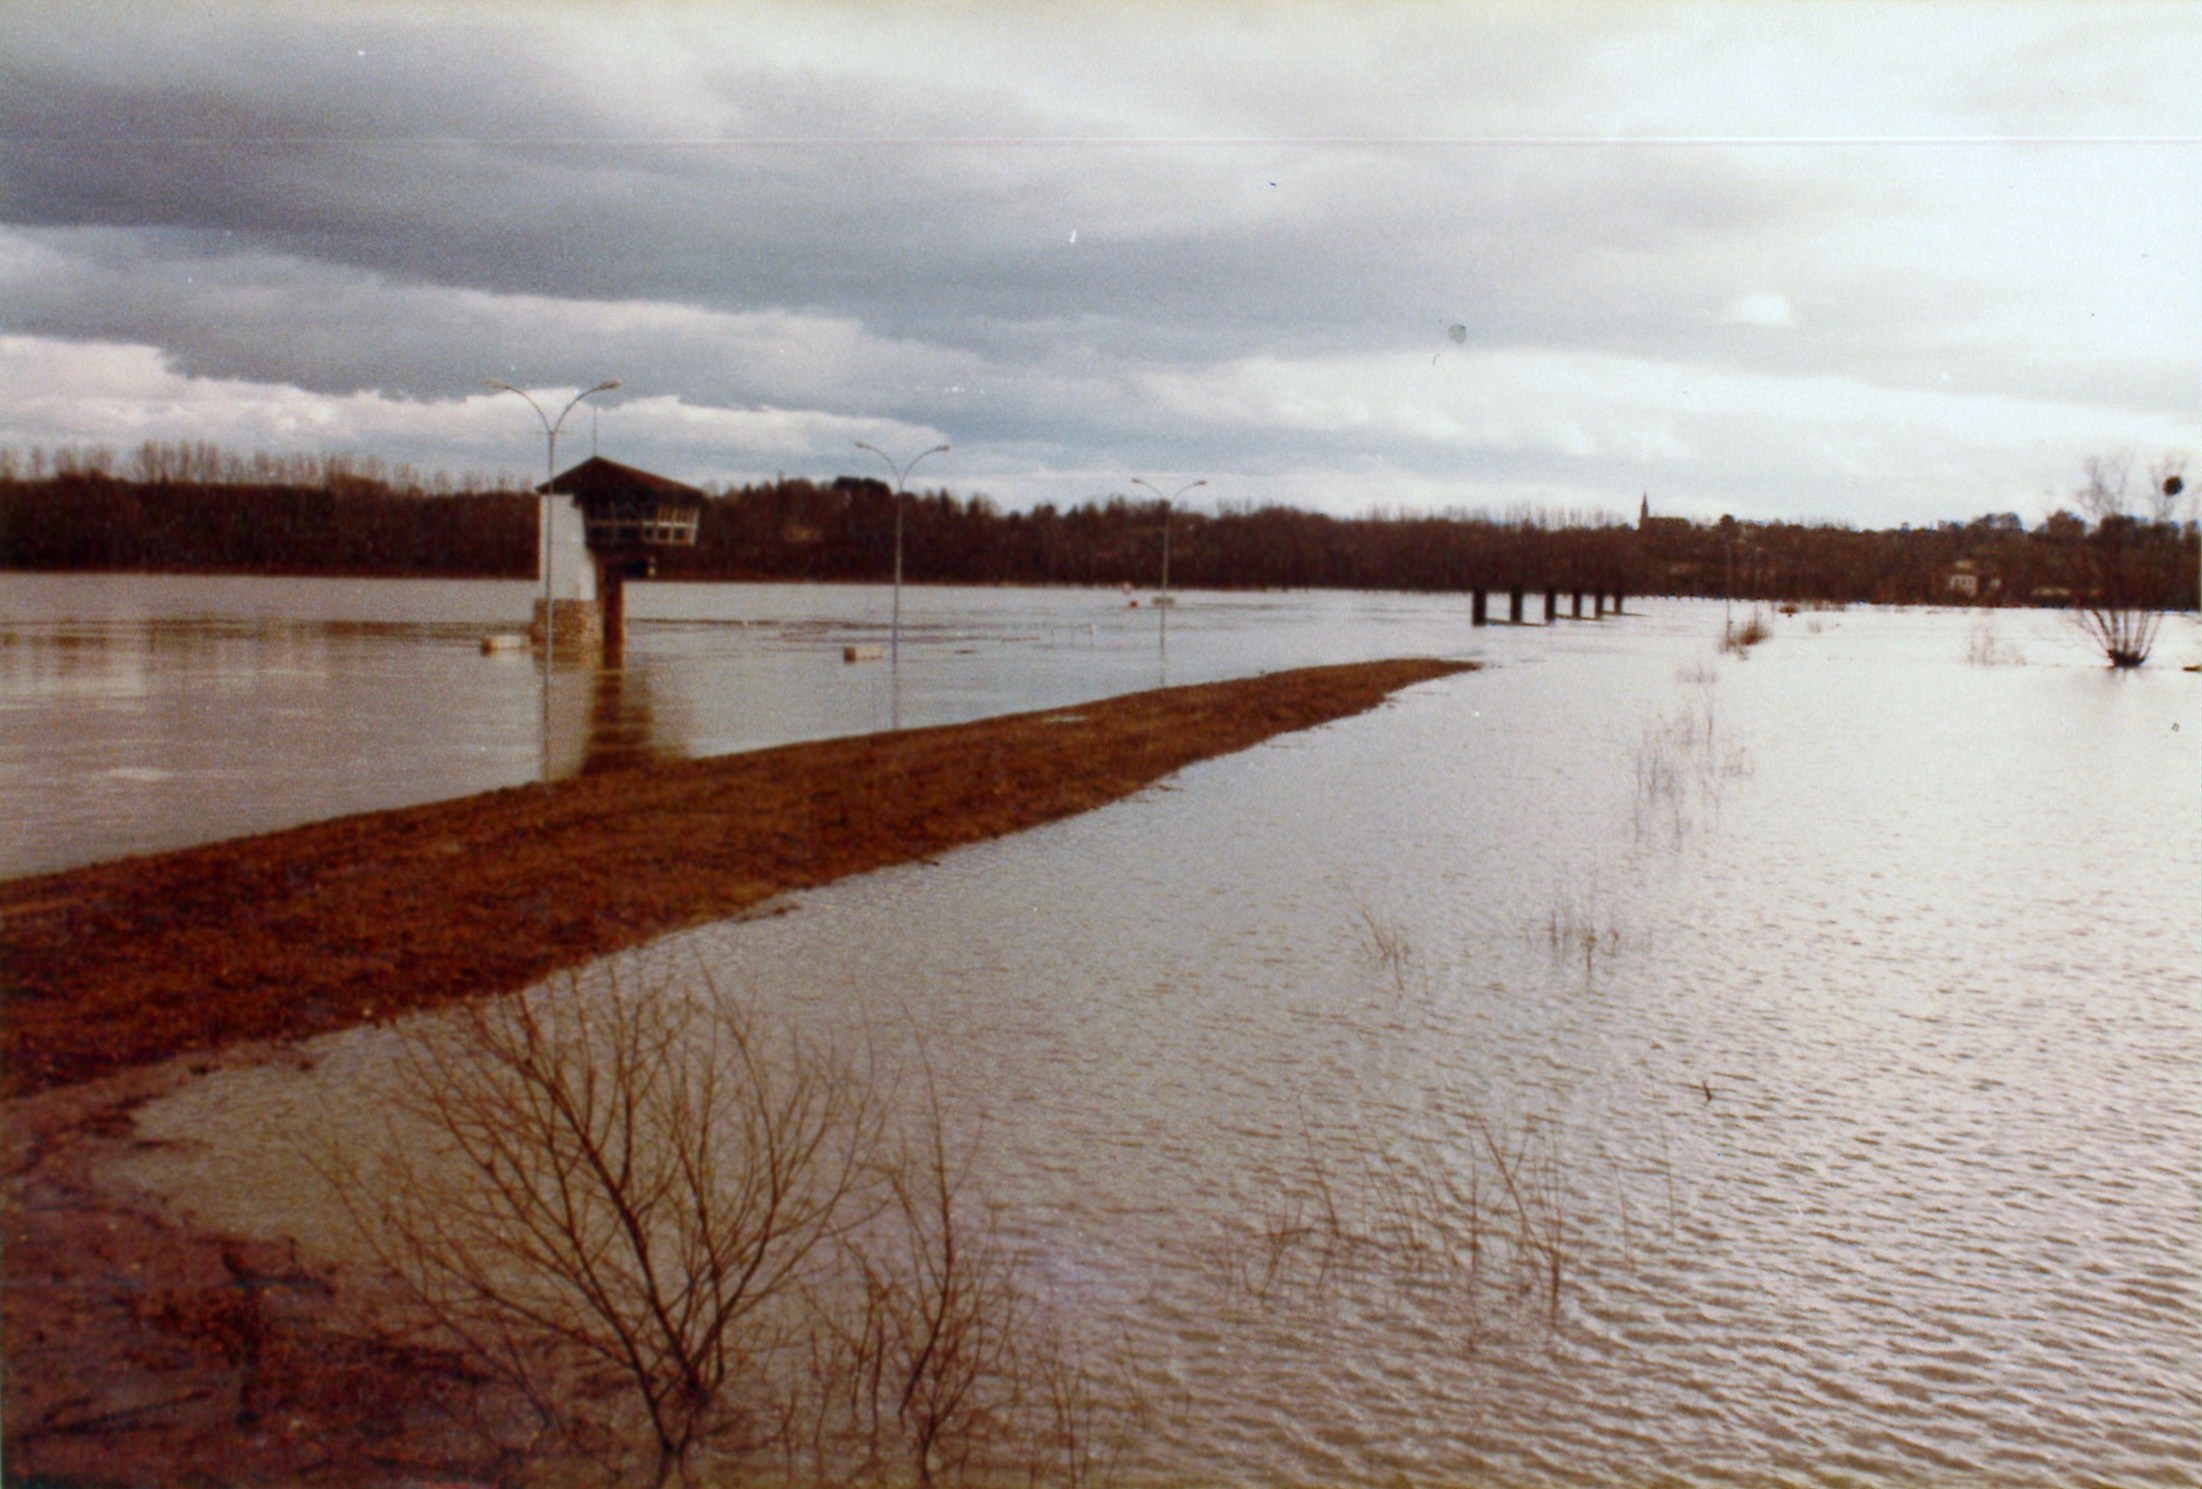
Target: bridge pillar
(1599,598)
(1578,605)
(612,595)
(1477,611)
(613,570)
(1514,605)
(1551,606)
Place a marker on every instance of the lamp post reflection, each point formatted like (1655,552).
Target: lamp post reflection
(608,717)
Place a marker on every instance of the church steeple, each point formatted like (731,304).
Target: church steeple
(1643,515)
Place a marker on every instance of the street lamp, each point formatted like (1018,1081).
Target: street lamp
(901,473)
(1166,500)
(544,551)
(1728,584)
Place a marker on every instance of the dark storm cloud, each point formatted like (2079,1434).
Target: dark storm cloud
(422,170)
(1362,262)
(236,315)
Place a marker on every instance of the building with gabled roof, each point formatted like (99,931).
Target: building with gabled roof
(624,509)
(625,514)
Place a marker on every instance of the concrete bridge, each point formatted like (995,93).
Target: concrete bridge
(1480,611)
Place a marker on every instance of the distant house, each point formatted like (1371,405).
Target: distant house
(1969,581)
(628,510)
(627,515)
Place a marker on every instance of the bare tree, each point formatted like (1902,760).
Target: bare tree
(2127,569)
(666,1231)
(624,1188)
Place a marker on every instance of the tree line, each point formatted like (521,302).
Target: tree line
(90,522)
(1990,560)
(845,531)
(197,509)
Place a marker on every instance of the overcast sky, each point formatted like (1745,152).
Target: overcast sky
(1866,263)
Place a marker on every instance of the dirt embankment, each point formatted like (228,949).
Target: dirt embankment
(140,1349)
(300,932)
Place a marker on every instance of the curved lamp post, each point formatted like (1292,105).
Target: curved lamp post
(544,551)
(1728,584)
(1166,500)
(902,473)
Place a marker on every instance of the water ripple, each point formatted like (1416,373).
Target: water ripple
(1871,1146)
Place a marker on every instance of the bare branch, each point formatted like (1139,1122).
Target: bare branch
(2124,574)
(662,1226)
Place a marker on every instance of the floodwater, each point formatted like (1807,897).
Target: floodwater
(1835,1009)
(141,713)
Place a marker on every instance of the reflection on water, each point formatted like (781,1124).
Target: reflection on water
(146,712)
(1869,1109)
(621,730)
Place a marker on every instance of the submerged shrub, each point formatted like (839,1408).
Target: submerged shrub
(1739,639)
(680,1237)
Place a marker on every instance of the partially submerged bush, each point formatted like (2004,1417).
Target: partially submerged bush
(1580,923)
(1739,639)
(1384,939)
(680,1238)
(2127,571)
(1684,760)
(1463,1228)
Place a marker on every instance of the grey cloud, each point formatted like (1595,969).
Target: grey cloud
(237,315)
(943,246)
(412,200)
(1184,254)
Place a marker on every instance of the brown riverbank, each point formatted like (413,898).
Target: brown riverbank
(142,1348)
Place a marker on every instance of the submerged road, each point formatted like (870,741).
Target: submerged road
(321,927)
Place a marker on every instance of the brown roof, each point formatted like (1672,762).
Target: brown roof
(599,478)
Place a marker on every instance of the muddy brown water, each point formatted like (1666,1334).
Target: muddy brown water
(1842,997)
(146,712)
